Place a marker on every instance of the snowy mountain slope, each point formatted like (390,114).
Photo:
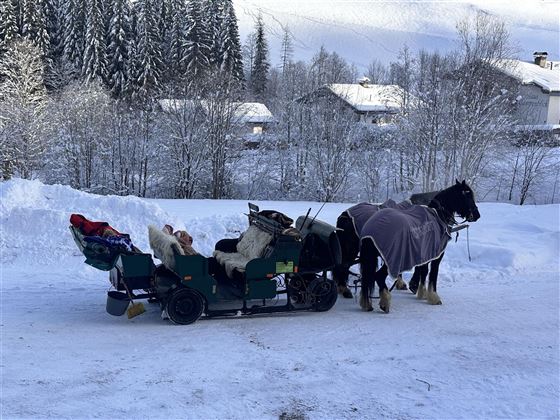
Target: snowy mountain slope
(490,351)
(362,30)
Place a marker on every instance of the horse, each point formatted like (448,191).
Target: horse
(390,234)
(348,224)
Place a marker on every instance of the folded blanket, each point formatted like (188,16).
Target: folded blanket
(89,228)
(116,243)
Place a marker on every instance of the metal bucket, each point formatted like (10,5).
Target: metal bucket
(117,302)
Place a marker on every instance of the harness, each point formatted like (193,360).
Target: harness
(449,219)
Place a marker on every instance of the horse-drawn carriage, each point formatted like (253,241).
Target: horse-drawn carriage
(268,269)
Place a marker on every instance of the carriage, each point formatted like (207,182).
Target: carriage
(268,269)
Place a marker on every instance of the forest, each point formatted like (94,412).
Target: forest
(81,83)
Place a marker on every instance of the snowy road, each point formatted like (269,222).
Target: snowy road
(490,351)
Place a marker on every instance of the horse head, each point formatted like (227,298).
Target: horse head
(465,204)
(459,198)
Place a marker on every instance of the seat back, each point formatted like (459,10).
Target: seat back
(321,248)
(165,246)
(254,242)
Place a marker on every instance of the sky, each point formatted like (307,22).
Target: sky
(363,30)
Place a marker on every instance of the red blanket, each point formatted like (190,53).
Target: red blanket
(89,228)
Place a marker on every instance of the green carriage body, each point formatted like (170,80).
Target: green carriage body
(294,266)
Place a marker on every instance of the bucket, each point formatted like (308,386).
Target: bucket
(117,302)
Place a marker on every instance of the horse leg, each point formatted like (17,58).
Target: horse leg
(349,246)
(368,265)
(399,283)
(415,280)
(432,296)
(384,294)
(421,294)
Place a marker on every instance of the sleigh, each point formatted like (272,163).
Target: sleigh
(268,269)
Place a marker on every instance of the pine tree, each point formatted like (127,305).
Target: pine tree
(197,46)
(53,17)
(73,35)
(94,65)
(230,59)
(8,23)
(117,50)
(213,15)
(259,72)
(133,65)
(34,25)
(176,39)
(149,53)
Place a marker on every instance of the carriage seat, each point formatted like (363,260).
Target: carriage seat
(251,245)
(165,246)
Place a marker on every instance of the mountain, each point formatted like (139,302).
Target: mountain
(363,30)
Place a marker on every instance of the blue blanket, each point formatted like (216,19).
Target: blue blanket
(406,237)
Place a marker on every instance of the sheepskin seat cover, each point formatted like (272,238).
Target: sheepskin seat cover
(165,246)
(251,245)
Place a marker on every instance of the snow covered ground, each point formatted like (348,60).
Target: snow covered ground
(490,351)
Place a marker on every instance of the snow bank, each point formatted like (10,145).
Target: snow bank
(34,220)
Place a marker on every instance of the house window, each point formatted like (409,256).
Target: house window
(257,129)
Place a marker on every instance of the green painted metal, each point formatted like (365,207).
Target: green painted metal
(135,265)
(193,272)
(260,289)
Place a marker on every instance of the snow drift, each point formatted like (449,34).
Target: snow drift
(35,217)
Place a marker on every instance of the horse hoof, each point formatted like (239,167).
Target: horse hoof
(413,288)
(384,309)
(432,297)
(402,286)
(345,292)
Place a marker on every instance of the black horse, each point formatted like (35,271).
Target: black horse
(457,199)
(350,222)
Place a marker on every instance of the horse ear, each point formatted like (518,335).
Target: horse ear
(464,183)
(457,181)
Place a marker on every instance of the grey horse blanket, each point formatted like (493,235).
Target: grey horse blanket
(360,213)
(406,237)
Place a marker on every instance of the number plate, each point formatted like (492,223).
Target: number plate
(285,267)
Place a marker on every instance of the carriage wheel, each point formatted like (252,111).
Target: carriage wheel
(298,286)
(323,294)
(185,306)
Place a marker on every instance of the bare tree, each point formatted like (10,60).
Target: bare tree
(534,151)
(22,102)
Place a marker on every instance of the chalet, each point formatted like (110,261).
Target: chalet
(538,103)
(251,118)
(371,103)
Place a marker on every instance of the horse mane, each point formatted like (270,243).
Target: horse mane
(443,204)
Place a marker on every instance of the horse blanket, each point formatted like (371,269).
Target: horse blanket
(406,237)
(360,213)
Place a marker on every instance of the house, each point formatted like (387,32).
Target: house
(538,103)
(255,116)
(371,103)
(251,118)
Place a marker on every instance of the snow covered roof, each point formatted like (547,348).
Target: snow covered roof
(529,73)
(253,112)
(243,112)
(369,98)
